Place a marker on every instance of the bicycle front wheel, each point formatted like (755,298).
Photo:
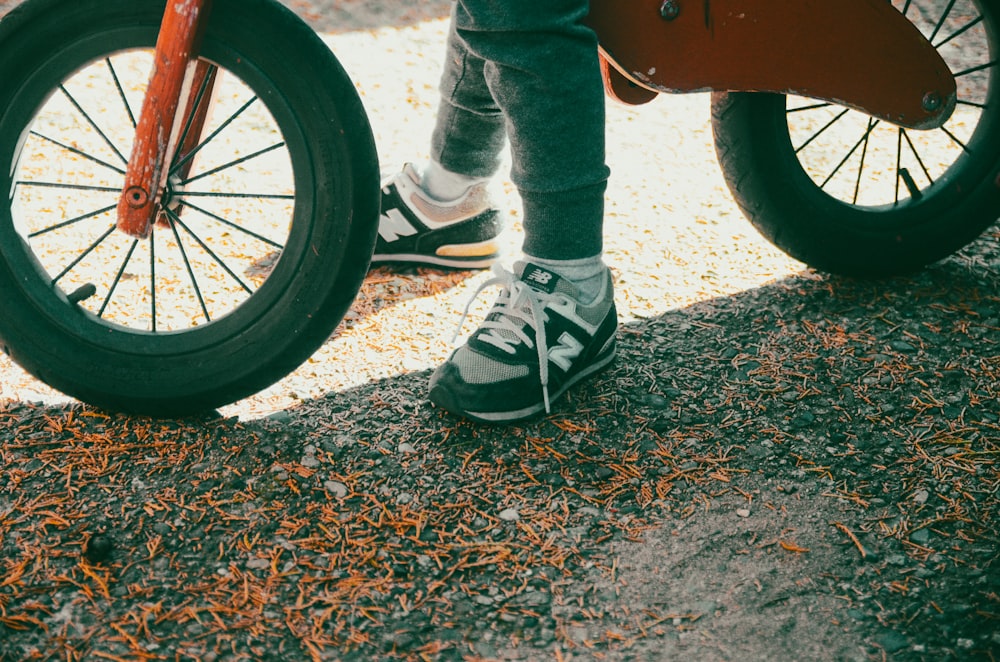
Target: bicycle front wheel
(265,229)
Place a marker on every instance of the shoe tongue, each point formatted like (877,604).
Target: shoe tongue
(542,280)
(539,279)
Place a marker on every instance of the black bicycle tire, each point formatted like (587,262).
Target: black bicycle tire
(172,374)
(769,184)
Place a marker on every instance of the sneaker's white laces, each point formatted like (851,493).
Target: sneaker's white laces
(517,303)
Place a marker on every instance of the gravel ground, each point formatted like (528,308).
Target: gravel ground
(780,465)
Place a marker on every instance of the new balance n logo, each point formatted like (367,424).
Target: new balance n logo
(392,225)
(567,351)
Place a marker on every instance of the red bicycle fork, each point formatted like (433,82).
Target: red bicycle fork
(168,109)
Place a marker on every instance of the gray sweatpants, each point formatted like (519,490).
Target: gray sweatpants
(528,71)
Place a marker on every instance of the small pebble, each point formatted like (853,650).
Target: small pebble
(336,488)
(510,515)
(258,564)
(743,512)
(98,548)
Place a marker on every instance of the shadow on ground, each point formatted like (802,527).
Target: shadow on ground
(804,470)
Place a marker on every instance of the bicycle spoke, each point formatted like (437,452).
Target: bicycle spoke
(72,221)
(862,140)
(233,164)
(913,150)
(962,30)
(955,140)
(90,249)
(963,102)
(190,270)
(233,225)
(78,152)
(152,276)
(190,155)
(69,187)
(972,70)
(121,92)
(899,160)
(241,196)
(218,260)
(941,21)
(816,135)
(93,124)
(206,82)
(118,277)
(872,123)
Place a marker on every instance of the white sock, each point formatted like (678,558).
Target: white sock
(586,273)
(442,184)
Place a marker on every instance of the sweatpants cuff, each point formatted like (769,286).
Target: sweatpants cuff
(564,225)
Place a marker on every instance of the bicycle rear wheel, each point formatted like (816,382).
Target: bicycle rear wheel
(849,194)
(266,227)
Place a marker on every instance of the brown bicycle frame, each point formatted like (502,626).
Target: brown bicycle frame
(863,54)
(859,53)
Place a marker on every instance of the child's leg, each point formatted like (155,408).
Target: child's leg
(554,323)
(542,71)
(470,130)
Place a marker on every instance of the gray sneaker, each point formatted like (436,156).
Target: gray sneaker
(415,227)
(536,342)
